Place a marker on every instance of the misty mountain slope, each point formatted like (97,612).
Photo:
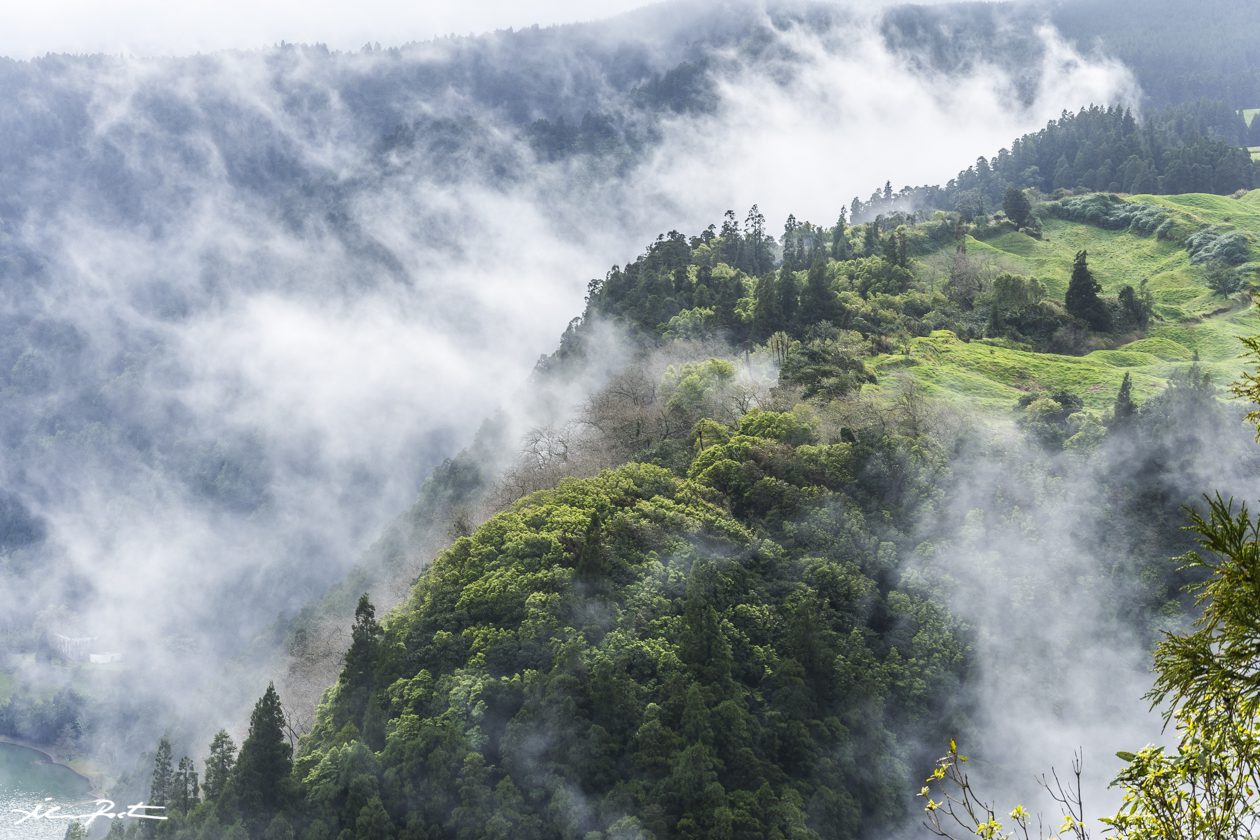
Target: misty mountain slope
(1180,51)
(252,299)
(1174,147)
(1084,487)
(743,629)
(1192,321)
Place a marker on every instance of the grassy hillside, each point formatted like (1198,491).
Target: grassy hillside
(988,374)
(1191,318)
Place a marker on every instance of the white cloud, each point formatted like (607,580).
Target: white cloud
(156,27)
(855,114)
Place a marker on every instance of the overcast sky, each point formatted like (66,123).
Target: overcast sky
(145,27)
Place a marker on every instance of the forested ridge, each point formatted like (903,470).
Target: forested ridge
(726,595)
(1192,147)
(728,635)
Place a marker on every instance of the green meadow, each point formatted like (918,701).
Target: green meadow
(1191,319)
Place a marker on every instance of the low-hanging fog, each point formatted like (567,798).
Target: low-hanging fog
(1057,563)
(251,298)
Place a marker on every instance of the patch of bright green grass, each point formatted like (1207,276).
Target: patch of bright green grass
(1192,320)
(981,373)
(1117,259)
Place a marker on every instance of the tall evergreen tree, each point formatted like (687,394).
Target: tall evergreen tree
(1125,408)
(897,248)
(818,300)
(357,675)
(161,786)
(755,257)
(791,236)
(1082,298)
(789,298)
(260,784)
(731,239)
(184,789)
(870,239)
(219,765)
(767,310)
(840,238)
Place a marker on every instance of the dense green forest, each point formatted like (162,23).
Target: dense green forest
(1194,147)
(729,632)
(723,593)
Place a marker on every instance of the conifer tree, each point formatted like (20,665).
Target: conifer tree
(818,300)
(788,298)
(870,239)
(160,787)
(260,783)
(767,311)
(731,239)
(1082,298)
(791,236)
(840,238)
(1125,408)
(357,675)
(754,258)
(219,765)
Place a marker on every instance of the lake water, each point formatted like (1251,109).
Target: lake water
(26,778)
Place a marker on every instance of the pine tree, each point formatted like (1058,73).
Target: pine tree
(791,236)
(357,675)
(731,240)
(755,258)
(1125,408)
(840,238)
(260,783)
(788,298)
(818,300)
(184,790)
(1082,298)
(219,765)
(767,311)
(897,248)
(870,239)
(163,782)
